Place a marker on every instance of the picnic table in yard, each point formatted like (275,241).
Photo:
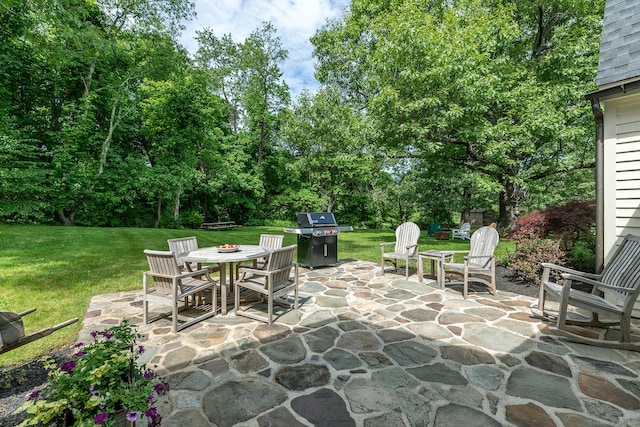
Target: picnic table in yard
(220,225)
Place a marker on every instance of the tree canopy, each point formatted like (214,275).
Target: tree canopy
(426,111)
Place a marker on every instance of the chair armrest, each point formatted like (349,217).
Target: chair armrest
(387,243)
(595,283)
(252,270)
(204,272)
(469,257)
(557,267)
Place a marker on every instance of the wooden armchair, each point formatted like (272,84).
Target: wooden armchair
(269,241)
(271,283)
(167,284)
(614,293)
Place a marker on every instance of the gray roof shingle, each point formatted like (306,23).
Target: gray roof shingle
(620,44)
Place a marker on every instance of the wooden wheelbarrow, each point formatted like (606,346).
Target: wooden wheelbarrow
(12,330)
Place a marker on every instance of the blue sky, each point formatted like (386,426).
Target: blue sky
(295,21)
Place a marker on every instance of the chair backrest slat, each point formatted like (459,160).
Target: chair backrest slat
(483,243)
(183,244)
(623,269)
(278,259)
(407,234)
(271,241)
(162,262)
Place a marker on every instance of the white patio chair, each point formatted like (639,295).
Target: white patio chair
(405,247)
(464,232)
(479,264)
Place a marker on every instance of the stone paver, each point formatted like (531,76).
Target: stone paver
(367,350)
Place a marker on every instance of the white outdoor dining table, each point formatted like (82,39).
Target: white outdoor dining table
(211,255)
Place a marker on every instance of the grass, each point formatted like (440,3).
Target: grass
(58,269)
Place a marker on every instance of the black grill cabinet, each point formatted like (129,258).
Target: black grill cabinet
(317,238)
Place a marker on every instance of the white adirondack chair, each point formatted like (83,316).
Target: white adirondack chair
(479,265)
(405,247)
(464,232)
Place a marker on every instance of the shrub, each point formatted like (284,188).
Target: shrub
(531,253)
(191,219)
(583,255)
(570,226)
(567,223)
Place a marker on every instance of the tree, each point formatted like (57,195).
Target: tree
(491,90)
(335,168)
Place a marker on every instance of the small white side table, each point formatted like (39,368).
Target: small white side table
(436,258)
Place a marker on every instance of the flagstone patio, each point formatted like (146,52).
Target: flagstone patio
(371,350)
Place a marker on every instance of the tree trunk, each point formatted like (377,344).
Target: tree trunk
(465,215)
(176,206)
(65,219)
(507,217)
(159,214)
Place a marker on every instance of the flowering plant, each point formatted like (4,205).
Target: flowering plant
(101,378)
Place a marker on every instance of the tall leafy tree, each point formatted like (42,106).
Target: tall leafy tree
(335,168)
(491,89)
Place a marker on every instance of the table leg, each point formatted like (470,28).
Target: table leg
(223,287)
(420,269)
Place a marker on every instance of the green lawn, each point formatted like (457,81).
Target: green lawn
(58,269)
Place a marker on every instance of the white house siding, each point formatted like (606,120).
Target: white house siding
(622,176)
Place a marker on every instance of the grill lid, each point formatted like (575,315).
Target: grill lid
(317,219)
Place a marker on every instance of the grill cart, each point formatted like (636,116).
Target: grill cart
(317,238)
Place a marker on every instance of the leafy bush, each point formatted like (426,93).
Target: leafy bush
(583,255)
(191,219)
(531,253)
(567,223)
(559,234)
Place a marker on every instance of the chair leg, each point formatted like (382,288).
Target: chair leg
(541,299)
(174,316)
(625,329)
(270,308)
(564,305)
(465,284)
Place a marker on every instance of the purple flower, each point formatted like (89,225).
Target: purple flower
(152,397)
(79,345)
(100,418)
(161,388)
(34,395)
(133,415)
(94,333)
(93,391)
(140,349)
(107,335)
(68,367)
(149,373)
(80,353)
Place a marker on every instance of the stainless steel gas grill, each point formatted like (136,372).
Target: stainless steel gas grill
(317,238)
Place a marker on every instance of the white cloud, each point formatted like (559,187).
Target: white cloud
(295,21)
